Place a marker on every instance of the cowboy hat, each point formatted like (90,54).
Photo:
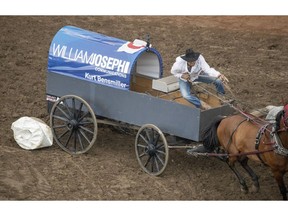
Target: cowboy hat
(190,55)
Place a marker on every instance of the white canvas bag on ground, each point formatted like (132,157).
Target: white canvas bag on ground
(32,133)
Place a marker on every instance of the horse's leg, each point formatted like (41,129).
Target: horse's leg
(254,177)
(278,175)
(242,182)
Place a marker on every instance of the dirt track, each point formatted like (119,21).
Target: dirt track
(251,51)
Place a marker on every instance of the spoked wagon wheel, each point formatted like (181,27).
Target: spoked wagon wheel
(73,124)
(151,149)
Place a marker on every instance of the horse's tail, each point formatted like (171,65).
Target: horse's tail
(209,134)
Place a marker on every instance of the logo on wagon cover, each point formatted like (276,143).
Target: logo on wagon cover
(101,62)
(132,47)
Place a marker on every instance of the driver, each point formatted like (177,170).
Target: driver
(192,67)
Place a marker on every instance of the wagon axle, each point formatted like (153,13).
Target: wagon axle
(151,149)
(73,124)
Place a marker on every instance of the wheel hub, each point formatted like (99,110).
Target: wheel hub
(72,124)
(151,149)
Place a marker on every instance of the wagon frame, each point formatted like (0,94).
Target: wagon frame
(152,105)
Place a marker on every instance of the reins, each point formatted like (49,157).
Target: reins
(235,154)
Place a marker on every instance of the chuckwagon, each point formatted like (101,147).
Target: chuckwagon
(96,79)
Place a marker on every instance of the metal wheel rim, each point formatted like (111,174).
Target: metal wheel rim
(151,149)
(74,126)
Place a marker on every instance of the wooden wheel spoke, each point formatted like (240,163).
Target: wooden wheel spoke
(148,160)
(82,117)
(63,134)
(156,163)
(60,118)
(74,108)
(67,142)
(162,162)
(64,113)
(80,140)
(142,146)
(84,135)
(143,138)
(152,163)
(86,129)
(142,155)
(161,152)
(160,146)
(75,141)
(156,139)
(79,111)
(148,135)
(59,126)
(68,109)
(85,123)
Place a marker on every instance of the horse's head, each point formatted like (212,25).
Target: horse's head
(282,119)
(285,115)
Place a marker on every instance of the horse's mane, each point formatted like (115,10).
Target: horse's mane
(277,119)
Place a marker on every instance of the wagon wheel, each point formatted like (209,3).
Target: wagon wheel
(73,124)
(151,149)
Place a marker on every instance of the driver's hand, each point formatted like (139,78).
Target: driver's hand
(223,78)
(185,76)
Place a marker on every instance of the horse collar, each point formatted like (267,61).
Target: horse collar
(279,148)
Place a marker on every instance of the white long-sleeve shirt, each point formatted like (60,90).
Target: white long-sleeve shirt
(200,67)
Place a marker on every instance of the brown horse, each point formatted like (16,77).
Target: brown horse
(240,138)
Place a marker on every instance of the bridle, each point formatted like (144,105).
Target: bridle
(276,142)
(279,148)
(285,117)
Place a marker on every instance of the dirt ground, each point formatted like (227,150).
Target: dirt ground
(251,51)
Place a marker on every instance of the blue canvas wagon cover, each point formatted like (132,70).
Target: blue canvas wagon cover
(101,59)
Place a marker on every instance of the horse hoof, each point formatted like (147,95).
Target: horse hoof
(254,189)
(244,190)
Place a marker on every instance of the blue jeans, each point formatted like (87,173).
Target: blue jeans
(185,88)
